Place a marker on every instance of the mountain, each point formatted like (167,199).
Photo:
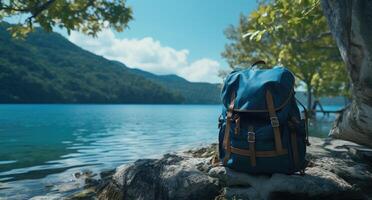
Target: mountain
(47,68)
(191,91)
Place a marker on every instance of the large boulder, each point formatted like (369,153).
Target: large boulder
(317,183)
(171,177)
(337,170)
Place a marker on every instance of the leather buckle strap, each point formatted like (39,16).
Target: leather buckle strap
(252,146)
(237,124)
(274,122)
(245,152)
(251,137)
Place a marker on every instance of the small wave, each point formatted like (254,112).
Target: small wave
(7,162)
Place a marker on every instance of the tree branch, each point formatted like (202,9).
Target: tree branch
(34,11)
(9,8)
(313,37)
(38,10)
(41,9)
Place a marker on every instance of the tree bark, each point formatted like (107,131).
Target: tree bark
(309,105)
(309,98)
(350,22)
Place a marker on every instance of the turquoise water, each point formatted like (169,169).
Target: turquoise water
(43,146)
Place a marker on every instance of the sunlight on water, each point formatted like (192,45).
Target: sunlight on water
(42,146)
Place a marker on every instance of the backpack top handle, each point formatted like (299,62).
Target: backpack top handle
(258,63)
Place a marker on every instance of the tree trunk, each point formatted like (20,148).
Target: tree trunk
(309,98)
(350,22)
(311,113)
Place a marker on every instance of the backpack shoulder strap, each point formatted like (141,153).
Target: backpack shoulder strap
(226,138)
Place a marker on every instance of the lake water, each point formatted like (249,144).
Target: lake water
(43,146)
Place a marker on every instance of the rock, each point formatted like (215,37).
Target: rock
(77,175)
(107,174)
(316,183)
(238,193)
(46,197)
(229,177)
(361,153)
(338,170)
(337,158)
(204,152)
(171,177)
(66,187)
(85,194)
(84,174)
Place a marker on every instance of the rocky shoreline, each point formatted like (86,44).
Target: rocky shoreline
(338,170)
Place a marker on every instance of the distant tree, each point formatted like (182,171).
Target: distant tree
(294,34)
(86,16)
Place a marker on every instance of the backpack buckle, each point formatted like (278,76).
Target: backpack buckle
(251,137)
(274,121)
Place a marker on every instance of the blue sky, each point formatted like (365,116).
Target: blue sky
(172,37)
(196,25)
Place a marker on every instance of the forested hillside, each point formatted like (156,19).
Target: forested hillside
(193,92)
(47,68)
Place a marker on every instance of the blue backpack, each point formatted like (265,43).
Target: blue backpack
(261,129)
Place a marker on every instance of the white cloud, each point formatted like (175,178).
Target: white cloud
(150,55)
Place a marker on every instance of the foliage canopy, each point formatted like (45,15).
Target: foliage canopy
(294,34)
(86,16)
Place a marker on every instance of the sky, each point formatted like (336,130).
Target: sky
(182,37)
